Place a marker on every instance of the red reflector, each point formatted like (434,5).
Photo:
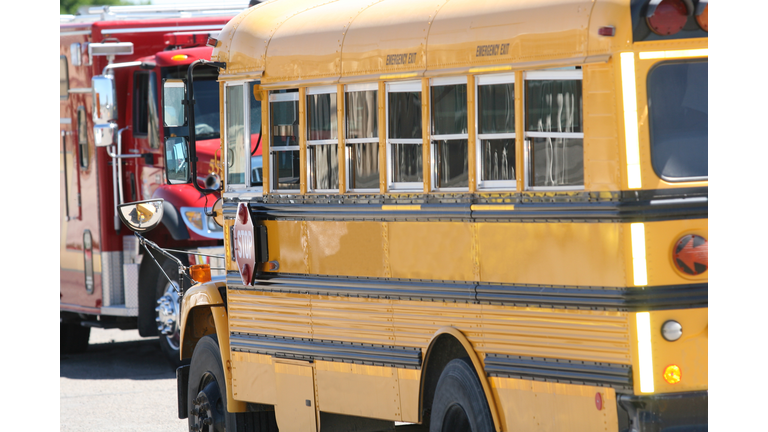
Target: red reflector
(212,42)
(690,255)
(607,31)
(669,18)
(599,401)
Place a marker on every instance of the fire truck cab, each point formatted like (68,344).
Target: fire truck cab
(113,62)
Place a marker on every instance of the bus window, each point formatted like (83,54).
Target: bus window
(677,114)
(496,131)
(449,133)
(284,122)
(254,116)
(553,129)
(235,134)
(404,139)
(322,139)
(362,137)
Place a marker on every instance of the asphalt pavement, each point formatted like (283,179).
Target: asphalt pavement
(121,383)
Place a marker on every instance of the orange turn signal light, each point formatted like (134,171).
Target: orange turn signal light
(703,19)
(179,57)
(672,374)
(200,272)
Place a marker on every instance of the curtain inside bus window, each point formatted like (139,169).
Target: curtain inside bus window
(553,116)
(324,160)
(235,135)
(678,119)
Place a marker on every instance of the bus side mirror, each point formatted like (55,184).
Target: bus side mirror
(174,111)
(141,216)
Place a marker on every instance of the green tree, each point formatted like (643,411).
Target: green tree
(71,6)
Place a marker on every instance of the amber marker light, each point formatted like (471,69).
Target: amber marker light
(179,57)
(200,272)
(703,19)
(672,374)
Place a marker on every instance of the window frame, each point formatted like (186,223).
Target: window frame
(350,142)
(565,74)
(480,80)
(401,87)
(332,90)
(273,170)
(445,81)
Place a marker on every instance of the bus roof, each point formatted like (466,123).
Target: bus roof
(308,41)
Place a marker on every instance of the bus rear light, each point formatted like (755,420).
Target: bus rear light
(690,255)
(672,374)
(668,18)
(702,19)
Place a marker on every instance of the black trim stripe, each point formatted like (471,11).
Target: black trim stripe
(557,370)
(313,349)
(607,207)
(589,298)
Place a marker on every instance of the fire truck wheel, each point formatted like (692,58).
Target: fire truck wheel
(167,310)
(73,337)
(207,396)
(459,403)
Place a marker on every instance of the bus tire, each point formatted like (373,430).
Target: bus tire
(459,403)
(207,395)
(73,338)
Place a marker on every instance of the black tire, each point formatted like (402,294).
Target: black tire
(207,396)
(459,404)
(73,337)
(169,343)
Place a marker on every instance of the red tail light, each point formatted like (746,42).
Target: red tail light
(668,18)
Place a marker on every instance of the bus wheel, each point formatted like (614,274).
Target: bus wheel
(207,396)
(167,314)
(459,403)
(73,338)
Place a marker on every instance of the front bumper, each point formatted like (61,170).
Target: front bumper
(676,412)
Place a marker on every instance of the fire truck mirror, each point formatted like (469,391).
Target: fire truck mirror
(174,112)
(141,216)
(104,134)
(104,99)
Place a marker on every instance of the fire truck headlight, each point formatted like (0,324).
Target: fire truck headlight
(194,218)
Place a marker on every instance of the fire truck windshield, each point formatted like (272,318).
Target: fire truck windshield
(206,97)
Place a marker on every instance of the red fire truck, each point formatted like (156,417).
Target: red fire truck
(113,63)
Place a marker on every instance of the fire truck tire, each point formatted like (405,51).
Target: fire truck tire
(459,402)
(73,337)
(207,395)
(166,306)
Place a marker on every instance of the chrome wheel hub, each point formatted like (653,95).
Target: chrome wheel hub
(167,318)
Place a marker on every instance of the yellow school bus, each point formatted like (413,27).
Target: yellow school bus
(470,215)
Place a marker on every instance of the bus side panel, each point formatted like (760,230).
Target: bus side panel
(602,171)
(431,250)
(358,390)
(253,378)
(346,248)
(587,254)
(528,405)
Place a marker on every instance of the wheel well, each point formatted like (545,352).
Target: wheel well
(199,324)
(443,349)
